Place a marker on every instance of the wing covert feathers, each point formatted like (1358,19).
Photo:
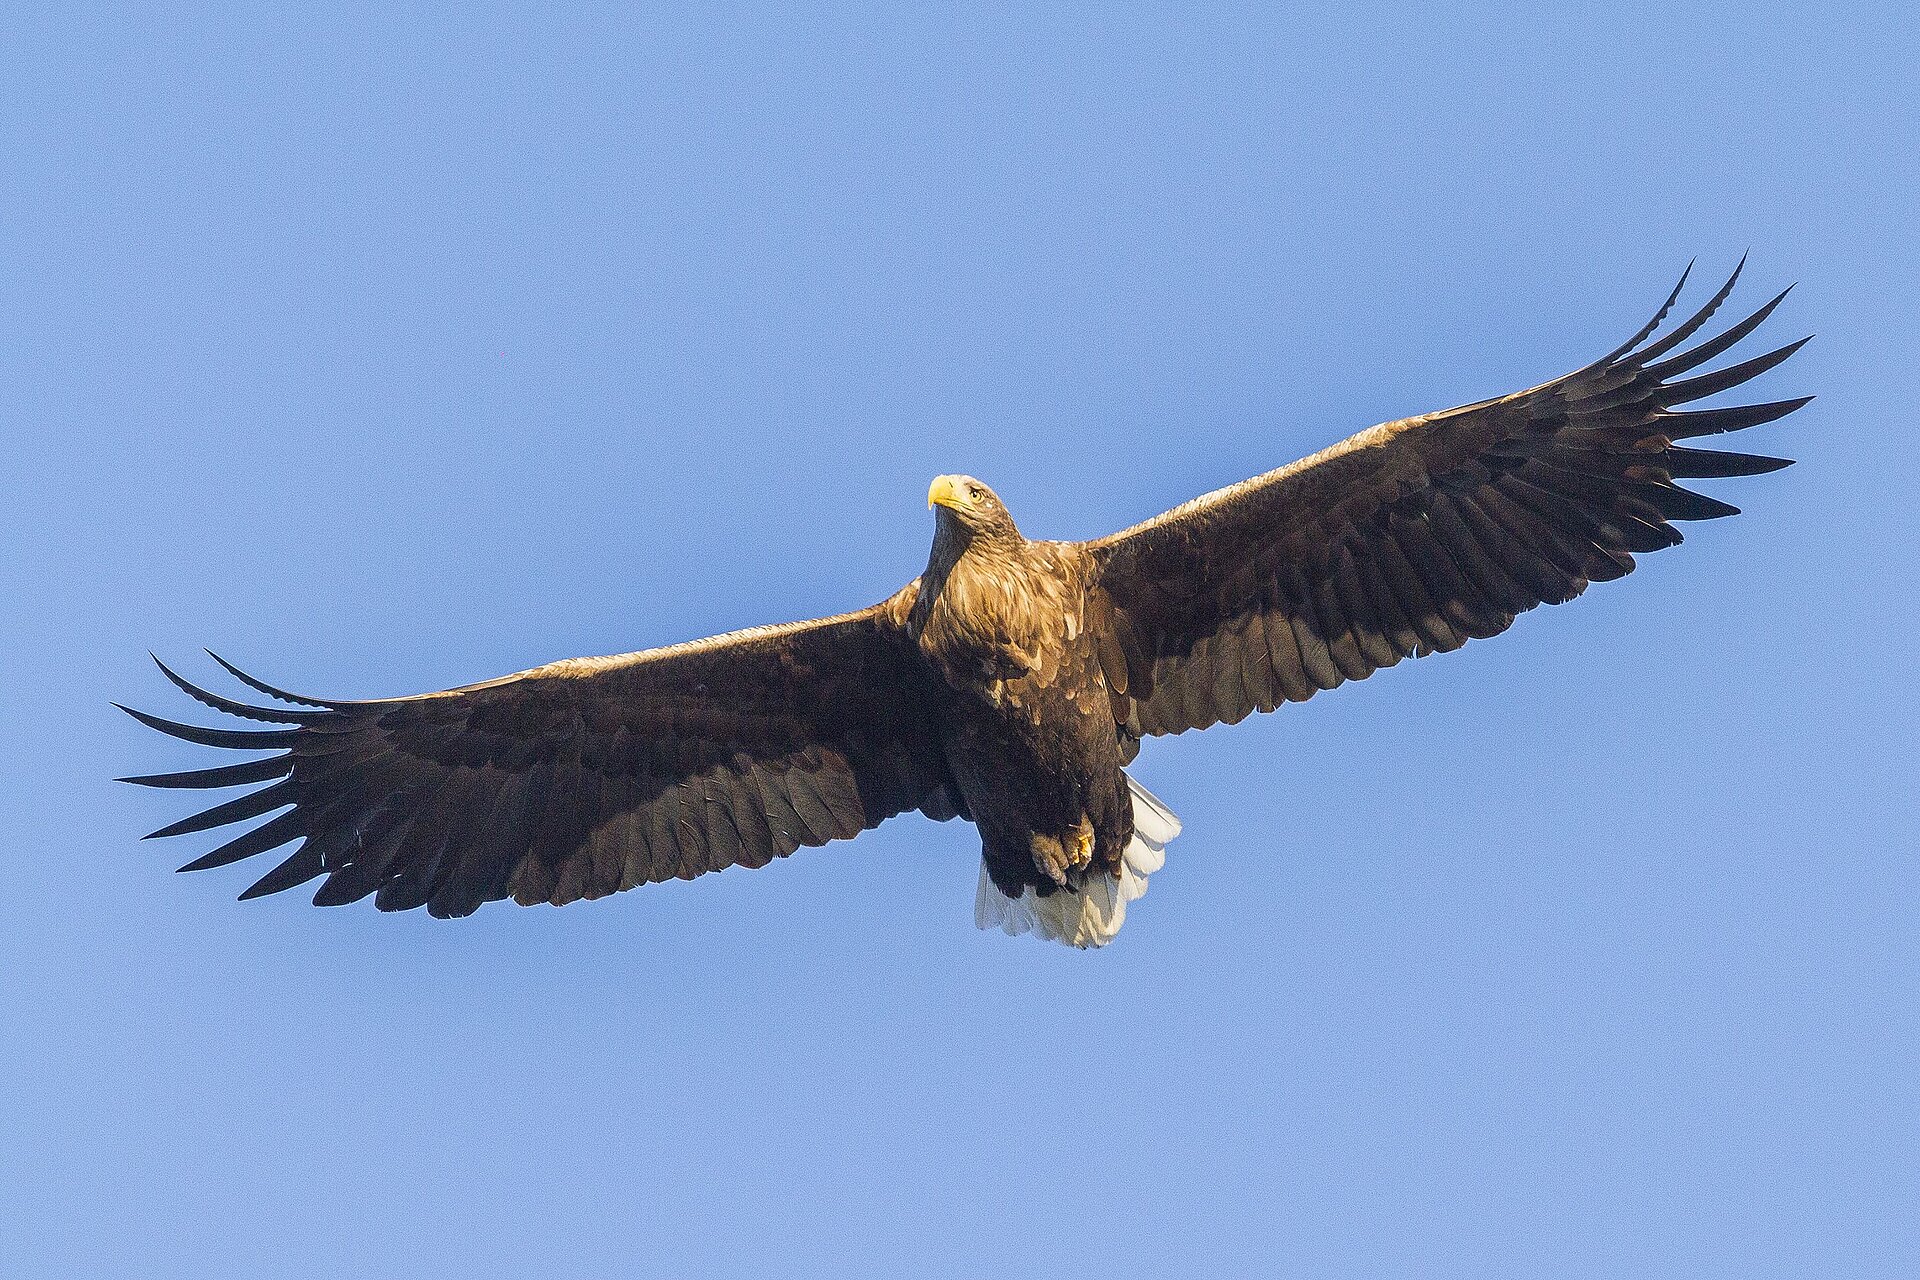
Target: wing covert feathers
(1416,536)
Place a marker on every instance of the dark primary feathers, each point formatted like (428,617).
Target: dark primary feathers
(584,777)
(1418,535)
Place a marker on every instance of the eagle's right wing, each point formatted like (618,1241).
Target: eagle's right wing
(583,777)
(1420,534)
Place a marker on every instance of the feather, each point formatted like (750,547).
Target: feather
(251,805)
(232,708)
(1416,601)
(1314,656)
(237,739)
(1693,323)
(1708,384)
(1512,503)
(1466,613)
(1341,645)
(1369,630)
(1706,351)
(359,856)
(260,686)
(269,835)
(302,866)
(1712,422)
(1283,651)
(1703,464)
(1257,671)
(227,775)
(749,820)
(1386,605)
(1487,577)
(1646,331)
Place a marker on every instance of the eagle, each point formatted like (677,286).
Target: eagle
(1011,683)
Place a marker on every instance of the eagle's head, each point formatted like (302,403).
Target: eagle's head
(967,508)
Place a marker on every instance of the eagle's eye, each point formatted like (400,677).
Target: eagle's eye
(975,493)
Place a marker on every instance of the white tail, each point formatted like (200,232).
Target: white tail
(1092,916)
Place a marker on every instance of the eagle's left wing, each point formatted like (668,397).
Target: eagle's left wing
(583,777)
(1418,535)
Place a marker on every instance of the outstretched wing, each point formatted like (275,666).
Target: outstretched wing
(584,777)
(1418,535)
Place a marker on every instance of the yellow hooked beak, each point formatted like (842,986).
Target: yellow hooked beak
(945,492)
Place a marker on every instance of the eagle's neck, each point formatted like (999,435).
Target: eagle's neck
(983,606)
(969,560)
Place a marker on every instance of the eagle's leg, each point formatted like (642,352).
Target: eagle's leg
(1079,843)
(1056,856)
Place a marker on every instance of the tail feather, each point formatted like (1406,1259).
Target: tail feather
(1092,915)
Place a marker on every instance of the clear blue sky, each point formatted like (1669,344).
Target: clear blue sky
(387,353)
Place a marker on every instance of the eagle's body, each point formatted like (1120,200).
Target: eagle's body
(1011,682)
(1012,630)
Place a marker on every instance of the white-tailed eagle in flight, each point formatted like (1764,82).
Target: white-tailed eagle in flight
(1010,683)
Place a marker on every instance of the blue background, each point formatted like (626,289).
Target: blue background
(387,352)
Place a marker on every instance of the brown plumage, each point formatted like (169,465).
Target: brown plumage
(1010,683)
